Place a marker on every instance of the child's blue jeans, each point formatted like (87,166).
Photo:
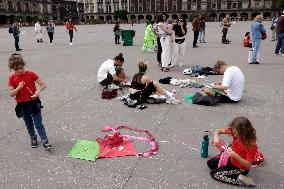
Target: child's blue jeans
(32,119)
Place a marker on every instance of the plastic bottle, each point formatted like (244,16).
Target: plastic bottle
(204,146)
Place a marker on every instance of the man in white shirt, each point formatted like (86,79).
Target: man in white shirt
(231,88)
(111,71)
(38,32)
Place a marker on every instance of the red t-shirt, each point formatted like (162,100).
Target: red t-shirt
(246,152)
(29,88)
(246,41)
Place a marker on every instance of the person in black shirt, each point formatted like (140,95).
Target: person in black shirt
(180,31)
(142,86)
(16,34)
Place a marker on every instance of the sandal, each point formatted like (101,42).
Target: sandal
(165,69)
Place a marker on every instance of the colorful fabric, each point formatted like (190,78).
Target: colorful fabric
(85,150)
(116,145)
(188,98)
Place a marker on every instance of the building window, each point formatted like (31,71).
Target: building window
(10,6)
(132,8)
(234,5)
(1,5)
(203,6)
(140,8)
(19,6)
(257,5)
(224,5)
(268,4)
(245,4)
(184,7)
(213,6)
(193,6)
(34,7)
(166,8)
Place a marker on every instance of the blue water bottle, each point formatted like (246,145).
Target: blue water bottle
(204,146)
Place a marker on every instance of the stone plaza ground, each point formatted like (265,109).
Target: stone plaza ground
(73,109)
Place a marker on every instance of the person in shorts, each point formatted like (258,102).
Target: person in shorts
(111,71)
(232,86)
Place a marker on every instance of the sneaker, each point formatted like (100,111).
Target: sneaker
(172,101)
(47,146)
(51,44)
(70,44)
(34,143)
(112,86)
(245,181)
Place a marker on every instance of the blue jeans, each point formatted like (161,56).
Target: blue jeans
(280,43)
(201,36)
(17,39)
(32,119)
(255,47)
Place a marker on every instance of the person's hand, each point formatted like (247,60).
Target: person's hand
(215,142)
(21,84)
(37,92)
(230,152)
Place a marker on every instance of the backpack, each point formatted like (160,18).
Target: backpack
(10,30)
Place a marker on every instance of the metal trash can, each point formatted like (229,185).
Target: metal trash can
(127,37)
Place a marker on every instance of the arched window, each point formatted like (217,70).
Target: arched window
(19,6)
(10,6)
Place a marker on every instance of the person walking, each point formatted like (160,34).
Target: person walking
(273,27)
(195,28)
(180,31)
(16,33)
(70,26)
(202,30)
(117,33)
(22,86)
(50,30)
(280,34)
(257,31)
(225,24)
(38,32)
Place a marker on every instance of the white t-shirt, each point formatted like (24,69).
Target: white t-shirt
(234,79)
(106,67)
(37,27)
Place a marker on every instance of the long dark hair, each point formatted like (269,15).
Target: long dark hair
(119,57)
(245,131)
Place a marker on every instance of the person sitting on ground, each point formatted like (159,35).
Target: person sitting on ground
(111,72)
(247,40)
(231,88)
(241,154)
(142,86)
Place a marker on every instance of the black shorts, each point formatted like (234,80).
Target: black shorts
(145,93)
(109,80)
(226,99)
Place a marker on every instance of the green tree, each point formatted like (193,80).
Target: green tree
(120,14)
(280,4)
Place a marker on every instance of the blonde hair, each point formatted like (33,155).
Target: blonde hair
(258,18)
(142,66)
(15,61)
(219,64)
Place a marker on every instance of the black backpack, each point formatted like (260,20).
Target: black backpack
(10,30)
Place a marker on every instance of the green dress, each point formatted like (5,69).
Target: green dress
(149,39)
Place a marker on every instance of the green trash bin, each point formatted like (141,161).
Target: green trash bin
(127,37)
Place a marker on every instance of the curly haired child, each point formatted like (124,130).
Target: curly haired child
(22,86)
(241,154)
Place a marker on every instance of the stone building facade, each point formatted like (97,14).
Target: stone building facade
(147,9)
(24,10)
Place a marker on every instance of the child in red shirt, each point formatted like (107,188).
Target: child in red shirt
(242,153)
(22,86)
(247,41)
